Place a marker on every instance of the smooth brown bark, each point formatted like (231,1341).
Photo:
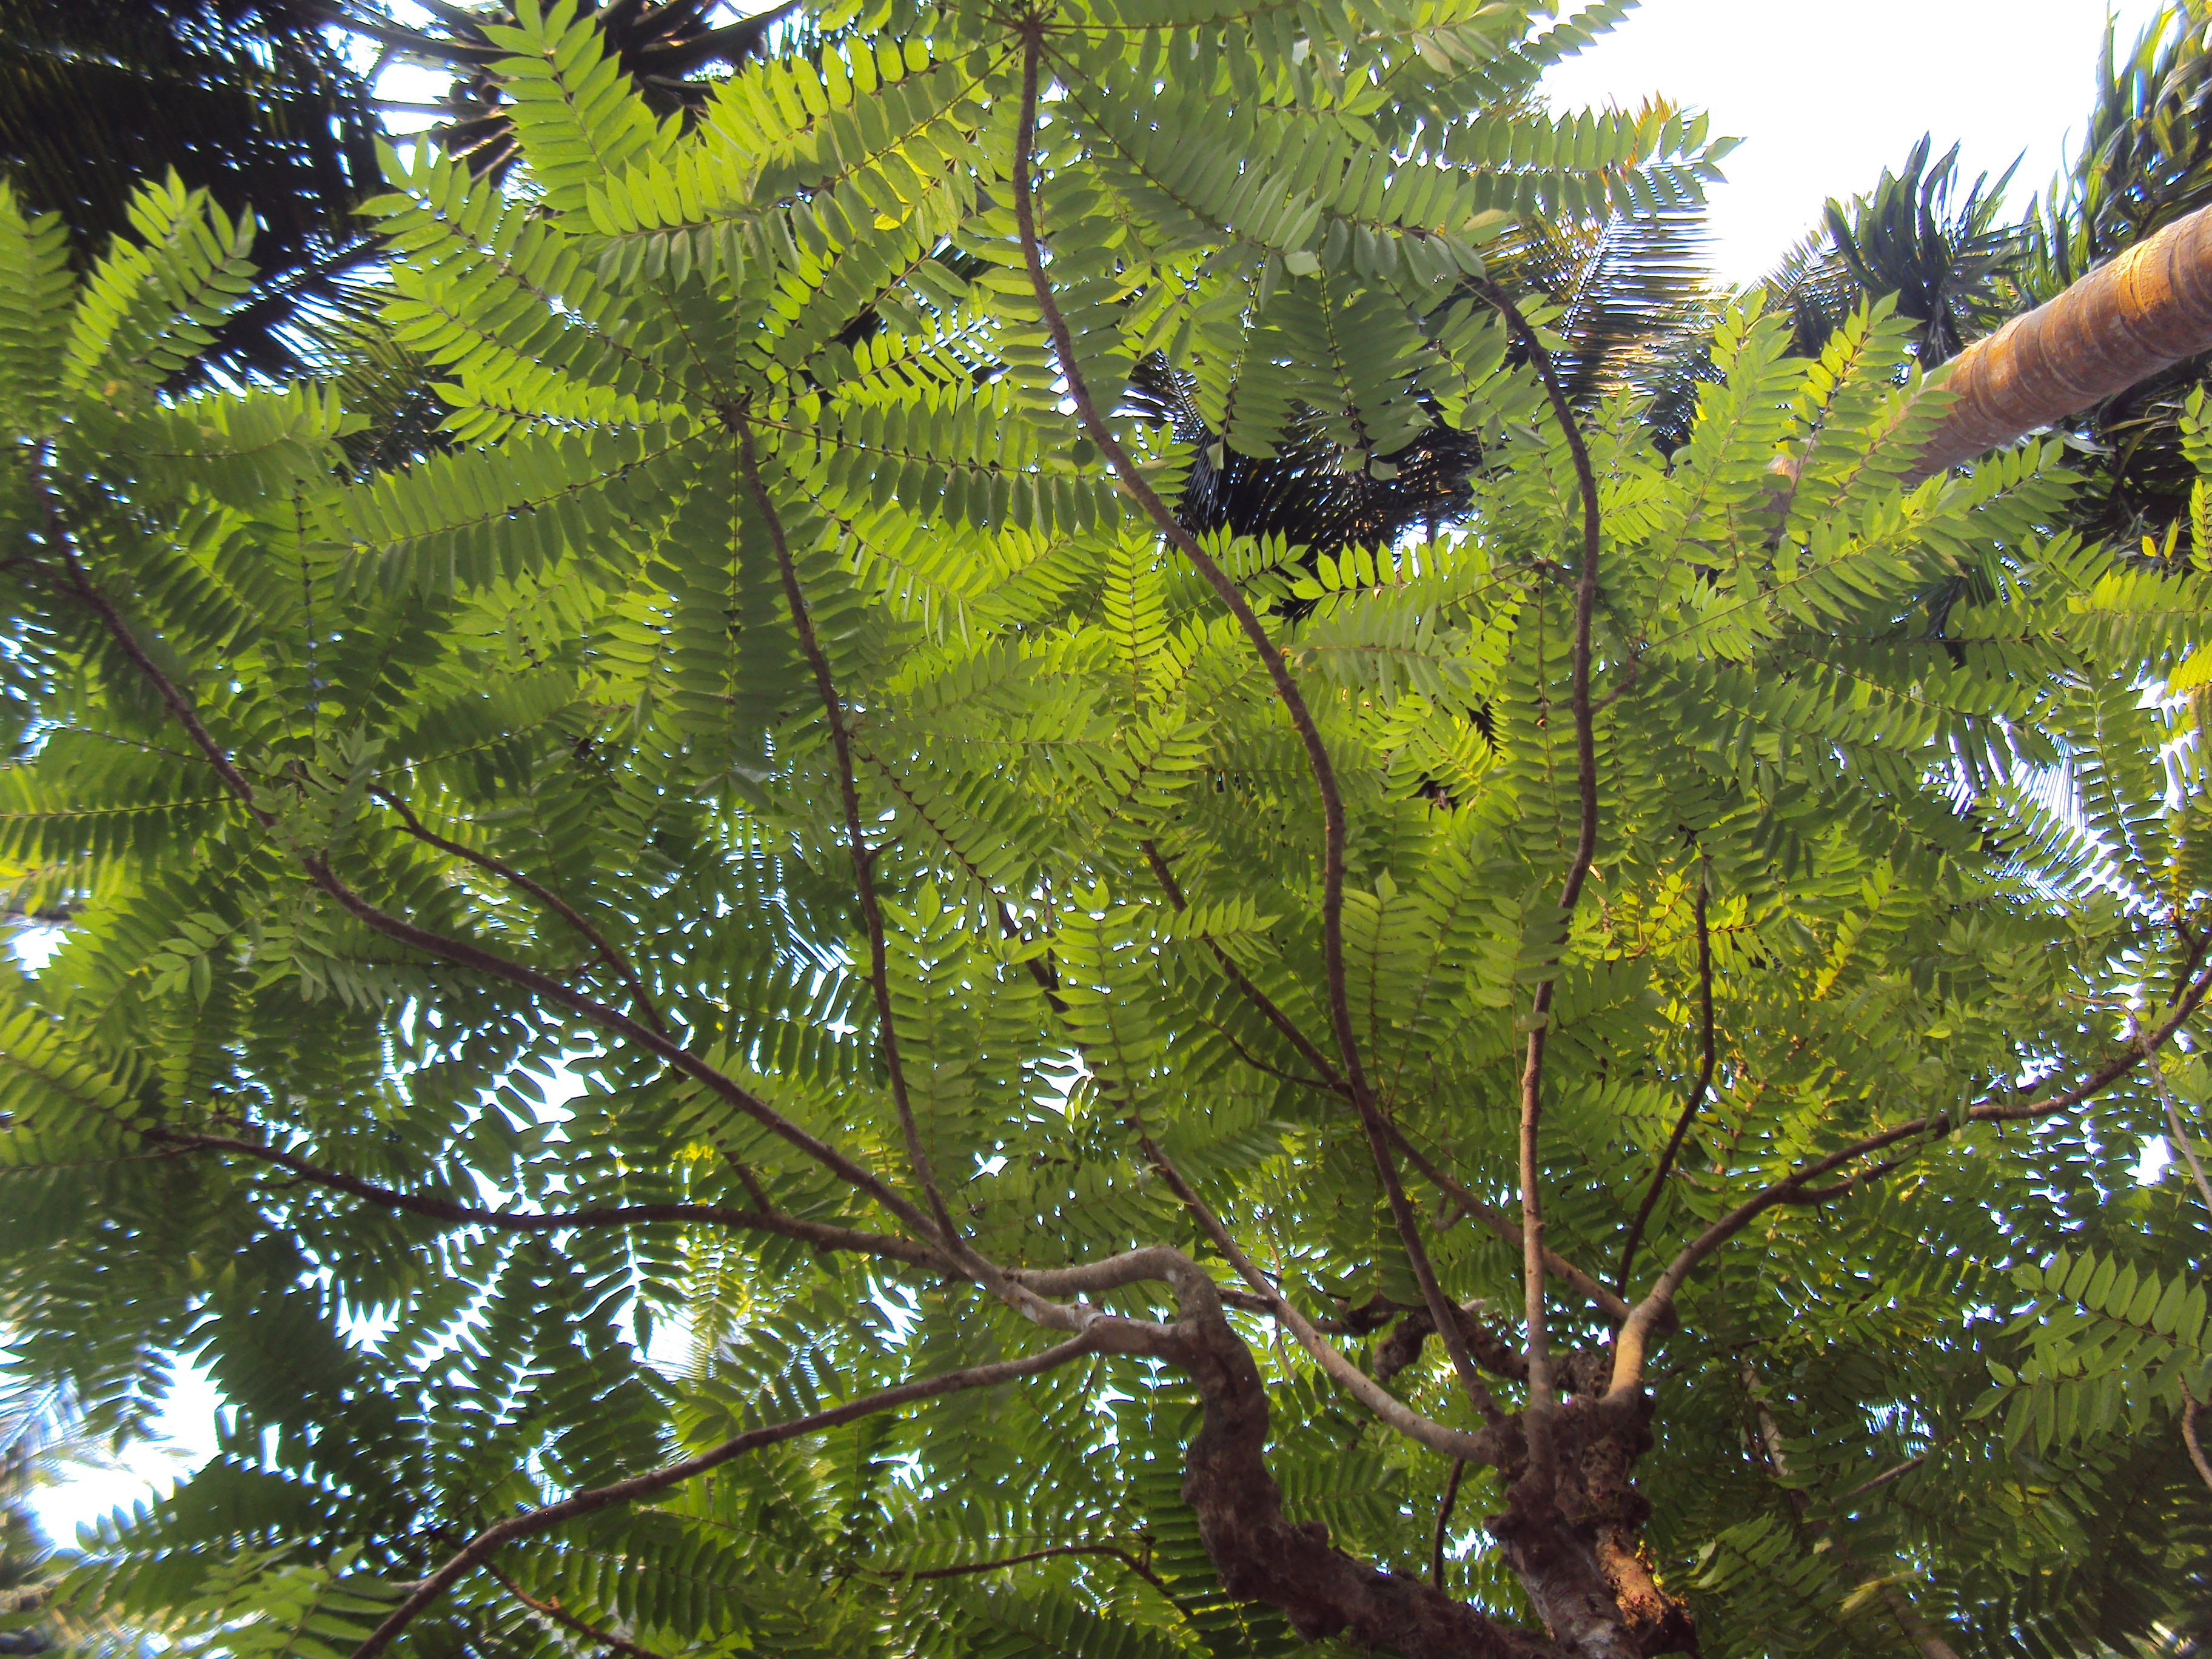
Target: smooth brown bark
(2129,317)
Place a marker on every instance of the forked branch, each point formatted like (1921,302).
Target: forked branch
(536,890)
(1629,1345)
(475,957)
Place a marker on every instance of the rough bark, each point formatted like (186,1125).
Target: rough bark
(1264,1556)
(2129,317)
(1579,1550)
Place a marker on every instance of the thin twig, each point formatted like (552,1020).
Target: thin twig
(1444,1507)
(1884,1478)
(1696,1100)
(864,879)
(1294,704)
(553,1609)
(1542,1396)
(1284,1026)
(552,900)
(2176,1130)
(819,1234)
(179,705)
(966,1568)
(488,1542)
(2192,960)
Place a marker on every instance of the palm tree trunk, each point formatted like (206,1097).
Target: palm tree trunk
(2125,321)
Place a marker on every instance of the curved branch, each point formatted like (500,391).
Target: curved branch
(488,1542)
(819,1234)
(1696,1099)
(1493,1446)
(1294,703)
(179,706)
(2191,1409)
(476,958)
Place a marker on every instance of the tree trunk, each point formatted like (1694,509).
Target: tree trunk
(2130,316)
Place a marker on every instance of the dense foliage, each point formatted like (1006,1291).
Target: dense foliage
(759,1008)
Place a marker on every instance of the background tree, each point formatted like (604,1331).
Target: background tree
(1014,950)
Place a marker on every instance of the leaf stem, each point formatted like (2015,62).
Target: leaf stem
(1696,1099)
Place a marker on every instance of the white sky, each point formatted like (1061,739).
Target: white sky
(1826,93)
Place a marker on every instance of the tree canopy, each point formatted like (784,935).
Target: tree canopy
(754,1006)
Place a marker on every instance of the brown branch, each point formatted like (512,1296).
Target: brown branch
(1286,691)
(2107,1074)
(475,957)
(488,1542)
(2191,1409)
(1845,1188)
(1054,1551)
(1492,1446)
(1696,1099)
(1414,1327)
(864,879)
(179,705)
(1542,1396)
(819,1234)
(1263,1556)
(1284,1026)
(1629,1345)
(552,1609)
(1444,1507)
(2176,1130)
(462,954)
(552,900)
(1606,1300)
